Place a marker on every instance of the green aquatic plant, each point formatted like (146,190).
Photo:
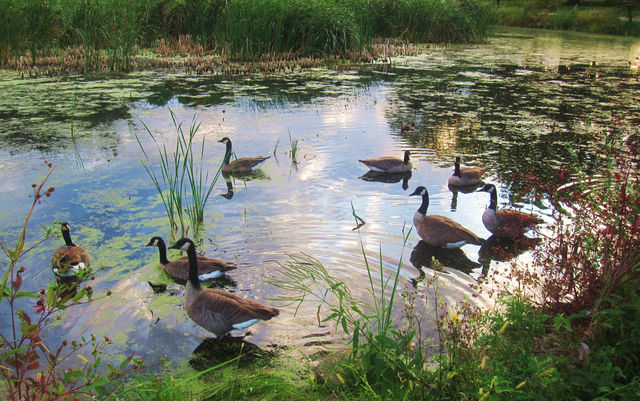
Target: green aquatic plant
(294,148)
(184,184)
(383,357)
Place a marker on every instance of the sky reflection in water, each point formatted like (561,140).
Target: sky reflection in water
(505,105)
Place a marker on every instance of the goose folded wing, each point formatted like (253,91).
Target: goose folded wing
(446,230)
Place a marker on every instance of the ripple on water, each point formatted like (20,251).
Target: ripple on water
(505,105)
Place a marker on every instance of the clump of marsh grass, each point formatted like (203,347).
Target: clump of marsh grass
(381,353)
(183,183)
(294,148)
(107,34)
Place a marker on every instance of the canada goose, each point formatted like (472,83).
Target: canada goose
(439,230)
(241,165)
(407,127)
(465,176)
(70,258)
(389,164)
(506,223)
(216,310)
(208,268)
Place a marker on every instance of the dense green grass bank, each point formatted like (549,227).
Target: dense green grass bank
(592,17)
(240,29)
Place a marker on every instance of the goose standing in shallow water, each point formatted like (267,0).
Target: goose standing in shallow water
(241,165)
(208,268)
(466,176)
(70,258)
(216,310)
(440,231)
(389,164)
(505,223)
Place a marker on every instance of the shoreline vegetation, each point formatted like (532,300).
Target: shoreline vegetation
(67,36)
(579,341)
(58,37)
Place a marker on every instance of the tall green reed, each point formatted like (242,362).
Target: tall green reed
(109,31)
(441,21)
(183,183)
(380,352)
(294,148)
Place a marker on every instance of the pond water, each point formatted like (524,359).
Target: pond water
(526,102)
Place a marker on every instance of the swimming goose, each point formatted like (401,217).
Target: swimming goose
(241,165)
(70,258)
(216,310)
(440,231)
(465,176)
(407,127)
(389,164)
(208,268)
(506,223)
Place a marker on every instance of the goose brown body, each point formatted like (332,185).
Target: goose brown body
(440,231)
(216,310)
(389,164)
(208,268)
(70,255)
(241,165)
(466,176)
(506,223)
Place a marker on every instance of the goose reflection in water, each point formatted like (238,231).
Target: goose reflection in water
(465,190)
(424,254)
(229,182)
(229,178)
(504,249)
(212,352)
(388,178)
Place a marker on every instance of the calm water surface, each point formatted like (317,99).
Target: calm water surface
(526,102)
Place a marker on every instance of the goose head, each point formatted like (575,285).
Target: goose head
(456,167)
(488,188)
(183,244)
(225,140)
(406,156)
(422,191)
(155,241)
(422,210)
(66,234)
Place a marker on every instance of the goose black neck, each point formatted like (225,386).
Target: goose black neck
(227,154)
(456,169)
(493,204)
(406,156)
(162,249)
(67,238)
(193,267)
(425,204)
